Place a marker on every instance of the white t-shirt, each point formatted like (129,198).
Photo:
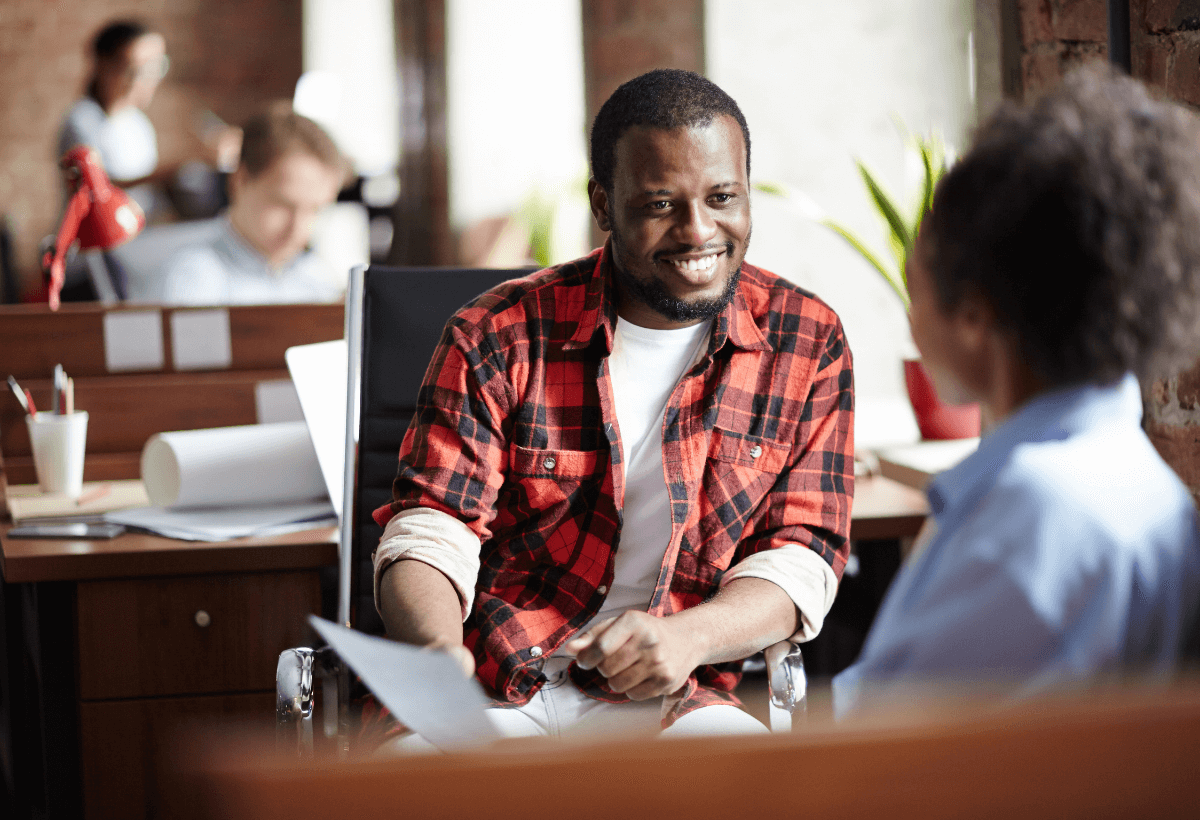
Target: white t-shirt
(125,141)
(645,366)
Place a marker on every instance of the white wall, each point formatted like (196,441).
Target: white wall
(354,93)
(516,110)
(820,83)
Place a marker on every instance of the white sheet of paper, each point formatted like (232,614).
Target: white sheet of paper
(275,401)
(424,689)
(133,340)
(200,339)
(320,373)
(224,523)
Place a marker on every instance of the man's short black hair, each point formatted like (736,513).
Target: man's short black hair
(115,36)
(1077,220)
(666,98)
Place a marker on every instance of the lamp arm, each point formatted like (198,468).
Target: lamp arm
(77,209)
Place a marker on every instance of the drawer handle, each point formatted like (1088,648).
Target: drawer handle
(202,618)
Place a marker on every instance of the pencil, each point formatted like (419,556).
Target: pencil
(93,495)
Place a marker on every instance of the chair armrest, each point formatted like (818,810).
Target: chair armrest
(295,696)
(787,682)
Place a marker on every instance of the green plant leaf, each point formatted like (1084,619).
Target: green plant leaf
(885,206)
(930,181)
(866,254)
(768,187)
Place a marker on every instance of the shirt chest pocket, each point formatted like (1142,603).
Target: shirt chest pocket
(740,471)
(553,491)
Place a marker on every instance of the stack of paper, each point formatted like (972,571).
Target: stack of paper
(26,502)
(230,482)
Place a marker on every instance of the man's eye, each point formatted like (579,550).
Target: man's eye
(659,205)
(721,199)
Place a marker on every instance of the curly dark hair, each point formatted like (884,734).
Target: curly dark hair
(1078,220)
(666,98)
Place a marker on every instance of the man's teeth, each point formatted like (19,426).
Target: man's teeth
(703,263)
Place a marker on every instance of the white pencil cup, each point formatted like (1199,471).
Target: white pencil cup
(58,443)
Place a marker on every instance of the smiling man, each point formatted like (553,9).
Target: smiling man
(628,472)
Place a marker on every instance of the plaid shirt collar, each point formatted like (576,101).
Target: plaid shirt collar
(734,324)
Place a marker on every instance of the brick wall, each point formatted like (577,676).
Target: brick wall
(625,38)
(1057,35)
(1165,39)
(1165,52)
(227,56)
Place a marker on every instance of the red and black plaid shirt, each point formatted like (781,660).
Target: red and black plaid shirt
(516,435)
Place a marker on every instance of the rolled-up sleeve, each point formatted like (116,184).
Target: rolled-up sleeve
(434,538)
(801,539)
(803,574)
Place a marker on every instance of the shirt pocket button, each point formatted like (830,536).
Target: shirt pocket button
(535,651)
(549,463)
(755,451)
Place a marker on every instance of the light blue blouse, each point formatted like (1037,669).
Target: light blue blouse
(1065,550)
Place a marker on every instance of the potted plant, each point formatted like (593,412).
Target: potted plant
(935,419)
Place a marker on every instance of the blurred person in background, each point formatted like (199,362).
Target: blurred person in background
(1059,265)
(129,60)
(289,171)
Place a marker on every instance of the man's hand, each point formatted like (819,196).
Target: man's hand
(641,655)
(460,654)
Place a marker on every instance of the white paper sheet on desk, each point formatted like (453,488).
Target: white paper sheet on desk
(424,689)
(225,523)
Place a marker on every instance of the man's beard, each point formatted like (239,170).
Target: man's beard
(653,295)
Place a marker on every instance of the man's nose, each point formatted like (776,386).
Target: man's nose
(695,225)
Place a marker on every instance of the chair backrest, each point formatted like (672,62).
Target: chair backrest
(398,315)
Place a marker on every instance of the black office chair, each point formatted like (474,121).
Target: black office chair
(394,319)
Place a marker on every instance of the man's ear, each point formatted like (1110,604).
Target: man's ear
(598,199)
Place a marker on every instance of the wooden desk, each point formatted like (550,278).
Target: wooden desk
(108,645)
(1110,755)
(886,509)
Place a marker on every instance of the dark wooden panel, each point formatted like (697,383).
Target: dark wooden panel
(142,637)
(124,411)
(126,746)
(33,338)
(262,333)
(98,467)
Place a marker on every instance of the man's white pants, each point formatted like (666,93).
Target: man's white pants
(560,709)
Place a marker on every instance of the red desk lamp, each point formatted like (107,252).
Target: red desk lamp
(100,215)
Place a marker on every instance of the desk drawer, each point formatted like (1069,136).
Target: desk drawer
(189,635)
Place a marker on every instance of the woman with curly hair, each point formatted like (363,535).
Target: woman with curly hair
(1059,265)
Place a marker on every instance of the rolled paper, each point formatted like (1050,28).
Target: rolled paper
(232,466)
